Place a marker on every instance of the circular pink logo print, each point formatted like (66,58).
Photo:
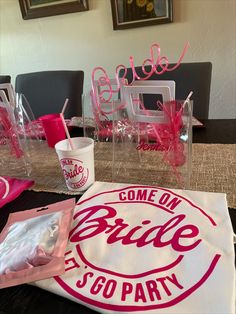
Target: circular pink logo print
(138,248)
(75,174)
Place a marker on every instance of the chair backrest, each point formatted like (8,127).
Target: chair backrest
(5,79)
(46,91)
(188,77)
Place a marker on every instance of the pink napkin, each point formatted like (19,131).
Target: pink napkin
(11,188)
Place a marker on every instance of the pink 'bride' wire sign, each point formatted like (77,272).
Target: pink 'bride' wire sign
(162,127)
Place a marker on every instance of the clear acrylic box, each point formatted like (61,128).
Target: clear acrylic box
(152,146)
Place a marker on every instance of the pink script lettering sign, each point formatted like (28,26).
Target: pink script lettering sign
(139,248)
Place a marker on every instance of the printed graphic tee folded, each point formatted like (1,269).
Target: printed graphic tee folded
(147,249)
(11,188)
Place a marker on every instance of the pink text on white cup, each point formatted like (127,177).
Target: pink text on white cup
(75,174)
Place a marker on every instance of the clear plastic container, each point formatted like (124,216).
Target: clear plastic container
(152,146)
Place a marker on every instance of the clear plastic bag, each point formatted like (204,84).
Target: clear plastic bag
(152,146)
(33,243)
(13,153)
(27,125)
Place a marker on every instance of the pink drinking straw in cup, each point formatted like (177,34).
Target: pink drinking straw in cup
(53,127)
(76,156)
(77,164)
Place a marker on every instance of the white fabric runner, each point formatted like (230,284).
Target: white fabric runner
(149,250)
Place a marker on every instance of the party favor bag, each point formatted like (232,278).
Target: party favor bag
(13,150)
(33,242)
(147,249)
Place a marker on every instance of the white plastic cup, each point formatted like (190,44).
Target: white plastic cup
(77,164)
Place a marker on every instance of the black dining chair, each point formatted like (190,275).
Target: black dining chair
(188,77)
(5,79)
(46,91)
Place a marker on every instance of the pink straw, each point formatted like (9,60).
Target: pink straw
(66,130)
(65,105)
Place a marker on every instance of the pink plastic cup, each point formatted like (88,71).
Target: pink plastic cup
(53,128)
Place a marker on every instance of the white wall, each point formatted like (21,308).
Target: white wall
(84,40)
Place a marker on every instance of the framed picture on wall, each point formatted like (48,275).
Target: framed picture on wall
(31,9)
(138,13)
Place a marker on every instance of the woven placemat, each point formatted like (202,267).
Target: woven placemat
(213,170)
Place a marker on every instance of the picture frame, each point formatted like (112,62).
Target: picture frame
(138,13)
(31,9)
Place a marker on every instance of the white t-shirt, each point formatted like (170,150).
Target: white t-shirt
(144,249)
